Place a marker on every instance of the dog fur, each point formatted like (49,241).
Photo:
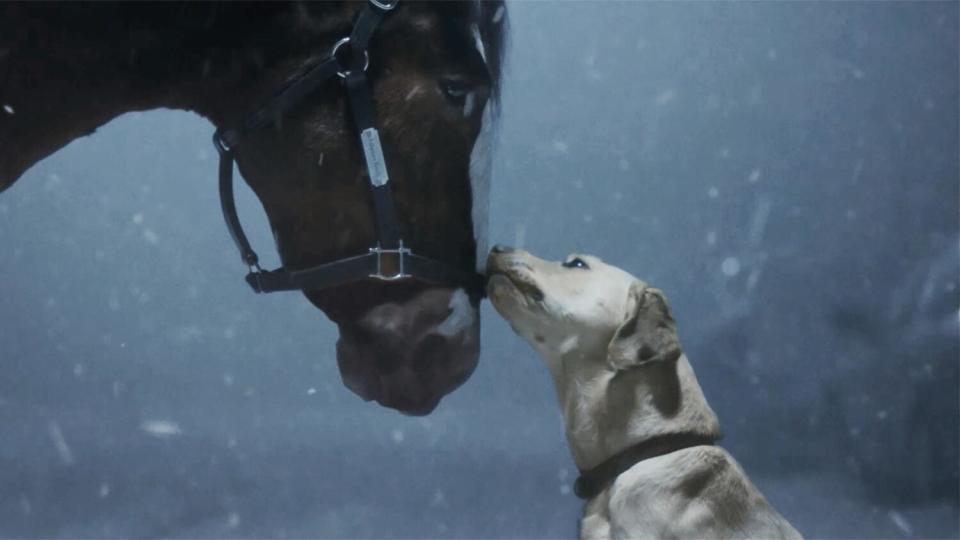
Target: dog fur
(610,343)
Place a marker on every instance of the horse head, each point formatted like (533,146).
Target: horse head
(433,69)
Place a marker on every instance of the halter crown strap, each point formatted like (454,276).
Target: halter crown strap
(368,21)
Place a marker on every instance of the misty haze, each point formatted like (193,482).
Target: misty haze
(787,173)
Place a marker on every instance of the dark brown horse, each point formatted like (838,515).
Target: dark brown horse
(68,68)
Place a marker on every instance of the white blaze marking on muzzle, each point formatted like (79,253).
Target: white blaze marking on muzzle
(461,317)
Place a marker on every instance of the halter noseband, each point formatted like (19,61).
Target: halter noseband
(388,259)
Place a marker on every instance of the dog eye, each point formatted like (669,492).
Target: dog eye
(576,262)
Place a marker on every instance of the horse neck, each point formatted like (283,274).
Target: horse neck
(60,79)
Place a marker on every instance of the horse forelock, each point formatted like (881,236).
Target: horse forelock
(485,24)
(492,26)
(483,20)
(482,23)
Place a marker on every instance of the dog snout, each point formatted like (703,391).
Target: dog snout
(507,260)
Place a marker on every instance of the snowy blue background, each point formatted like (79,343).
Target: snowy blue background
(786,172)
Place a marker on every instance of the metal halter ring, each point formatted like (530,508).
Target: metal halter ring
(385,5)
(336,48)
(220,144)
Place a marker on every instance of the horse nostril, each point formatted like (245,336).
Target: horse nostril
(499,248)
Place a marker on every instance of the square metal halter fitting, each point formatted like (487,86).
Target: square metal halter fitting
(391,261)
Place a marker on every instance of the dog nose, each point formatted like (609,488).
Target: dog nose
(500,248)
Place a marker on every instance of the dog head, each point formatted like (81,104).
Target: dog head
(581,303)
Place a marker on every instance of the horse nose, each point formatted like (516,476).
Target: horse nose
(500,248)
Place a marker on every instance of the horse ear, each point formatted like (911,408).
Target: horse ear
(649,333)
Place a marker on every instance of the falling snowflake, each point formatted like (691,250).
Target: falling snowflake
(150,236)
(568,344)
(730,266)
(60,443)
(666,97)
(161,429)
(711,238)
(901,522)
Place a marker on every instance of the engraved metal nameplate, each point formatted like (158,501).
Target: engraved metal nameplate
(373,153)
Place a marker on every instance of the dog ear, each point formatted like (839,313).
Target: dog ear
(648,335)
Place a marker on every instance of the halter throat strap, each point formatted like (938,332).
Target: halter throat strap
(590,483)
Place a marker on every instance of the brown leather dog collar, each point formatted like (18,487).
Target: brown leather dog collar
(592,482)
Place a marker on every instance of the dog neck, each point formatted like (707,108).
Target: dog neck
(607,411)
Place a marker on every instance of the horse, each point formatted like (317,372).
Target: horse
(432,71)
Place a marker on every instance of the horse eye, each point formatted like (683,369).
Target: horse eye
(576,262)
(455,90)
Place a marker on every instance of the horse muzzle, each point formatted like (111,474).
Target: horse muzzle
(408,355)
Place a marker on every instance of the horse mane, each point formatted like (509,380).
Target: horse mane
(204,26)
(154,44)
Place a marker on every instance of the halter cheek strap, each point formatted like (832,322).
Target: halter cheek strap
(388,259)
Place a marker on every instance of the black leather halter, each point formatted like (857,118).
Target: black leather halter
(388,259)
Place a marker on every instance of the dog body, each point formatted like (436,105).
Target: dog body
(624,385)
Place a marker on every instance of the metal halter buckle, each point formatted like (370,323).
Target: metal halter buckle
(401,252)
(336,48)
(255,271)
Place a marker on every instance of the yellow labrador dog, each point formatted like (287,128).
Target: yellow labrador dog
(638,425)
